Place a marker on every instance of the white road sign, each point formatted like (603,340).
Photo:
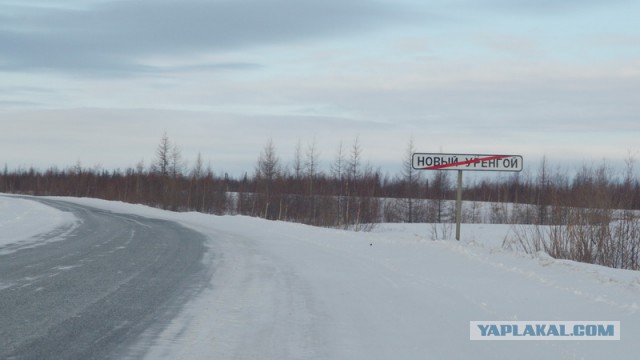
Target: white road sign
(469,162)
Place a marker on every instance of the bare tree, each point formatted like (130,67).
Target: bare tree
(267,170)
(297,162)
(198,168)
(311,164)
(338,172)
(338,166)
(411,179)
(542,191)
(441,185)
(355,160)
(163,157)
(170,166)
(161,166)
(311,172)
(176,163)
(268,163)
(196,188)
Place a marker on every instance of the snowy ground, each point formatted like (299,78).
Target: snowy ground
(289,291)
(21,221)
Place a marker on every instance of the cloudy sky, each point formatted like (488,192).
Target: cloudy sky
(100,81)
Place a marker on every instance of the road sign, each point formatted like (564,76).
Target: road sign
(465,162)
(472,162)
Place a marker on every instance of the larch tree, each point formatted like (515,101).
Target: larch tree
(267,170)
(338,170)
(163,156)
(311,173)
(411,179)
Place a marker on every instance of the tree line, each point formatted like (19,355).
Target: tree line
(349,194)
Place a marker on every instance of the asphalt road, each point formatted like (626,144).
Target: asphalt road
(92,294)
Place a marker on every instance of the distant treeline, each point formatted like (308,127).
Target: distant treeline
(350,194)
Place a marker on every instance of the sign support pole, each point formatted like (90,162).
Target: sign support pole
(460,162)
(459,205)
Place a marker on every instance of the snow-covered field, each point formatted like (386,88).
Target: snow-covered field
(289,291)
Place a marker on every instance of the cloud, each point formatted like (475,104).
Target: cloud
(544,7)
(112,36)
(617,40)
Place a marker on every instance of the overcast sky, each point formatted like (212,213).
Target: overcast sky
(100,81)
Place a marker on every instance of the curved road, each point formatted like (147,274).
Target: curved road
(93,293)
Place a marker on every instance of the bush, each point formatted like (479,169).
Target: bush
(591,236)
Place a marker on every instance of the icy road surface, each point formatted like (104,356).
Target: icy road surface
(91,293)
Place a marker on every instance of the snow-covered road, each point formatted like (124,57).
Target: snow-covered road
(289,291)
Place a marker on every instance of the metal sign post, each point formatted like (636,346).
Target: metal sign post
(469,162)
(459,205)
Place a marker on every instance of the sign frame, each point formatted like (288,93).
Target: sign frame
(467,162)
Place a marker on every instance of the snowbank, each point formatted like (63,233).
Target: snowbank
(21,221)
